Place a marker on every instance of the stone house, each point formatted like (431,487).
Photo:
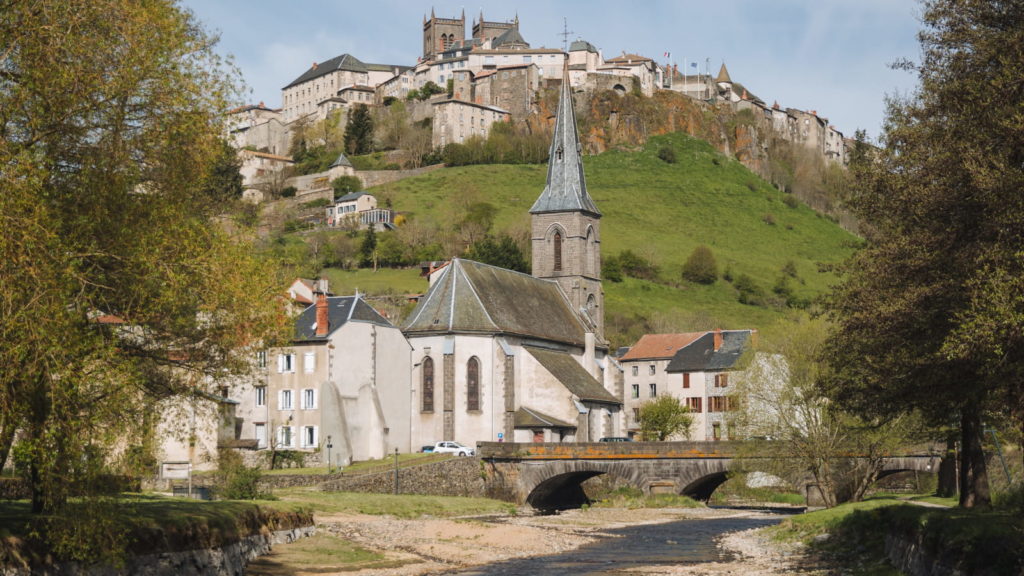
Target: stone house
(640,67)
(455,121)
(344,376)
(258,127)
(323,81)
(357,210)
(698,368)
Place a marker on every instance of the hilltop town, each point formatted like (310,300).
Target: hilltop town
(461,86)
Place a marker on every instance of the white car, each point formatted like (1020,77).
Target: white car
(453,448)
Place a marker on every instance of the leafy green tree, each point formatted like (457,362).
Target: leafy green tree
(429,89)
(118,288)
(345,184)
(928,314)
(359,131)
(665,417)
(224,179)
(499,251)
(701,267)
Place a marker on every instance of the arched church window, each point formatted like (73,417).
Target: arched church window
(473,384)
(591,304)
(558,251)
(428,384)
(558,153)
(590,261)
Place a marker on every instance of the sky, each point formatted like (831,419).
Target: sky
(831,56)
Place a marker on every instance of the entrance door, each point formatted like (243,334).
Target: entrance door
(538,436)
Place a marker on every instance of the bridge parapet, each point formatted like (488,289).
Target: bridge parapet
(606,450)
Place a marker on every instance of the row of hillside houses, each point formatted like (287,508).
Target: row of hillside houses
(488,354)
(494,75)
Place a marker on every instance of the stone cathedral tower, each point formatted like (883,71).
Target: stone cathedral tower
(566,225)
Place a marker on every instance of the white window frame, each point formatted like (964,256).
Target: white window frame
(286,363)
(309,362)
(308,399)
(282,395)
(261,359)
(285,433)
(261,396)
(306,441)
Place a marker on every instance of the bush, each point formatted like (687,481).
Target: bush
(289,192)
(235,480)
(637,266)
(611,270)
(748,291)
(790,200)
(701,267)
(667,154)
(768,219)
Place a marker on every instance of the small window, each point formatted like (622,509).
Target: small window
(636,414)
(285,400)
(636,370)
(309,362)
(308,399)
(654,390)
(636,390)
(694,404)
(261,395)
(284,436)
(686,379)
(721,380)
(650,369)
(285,363)
(261,359)
(309,437)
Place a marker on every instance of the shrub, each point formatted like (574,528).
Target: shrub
(235,480)
(289,192)
(701,267)
(611,270)
(637,266)
(768,219)
(667,154)
(748,291)
(790,200)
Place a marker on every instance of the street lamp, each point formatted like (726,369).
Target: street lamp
(329,446)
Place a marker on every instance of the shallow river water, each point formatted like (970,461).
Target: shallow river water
(679,542)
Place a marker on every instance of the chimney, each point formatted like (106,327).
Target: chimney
(322,320)
(314,65)
(718,339)
(322,286)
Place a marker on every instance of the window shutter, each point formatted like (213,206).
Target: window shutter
(280,363)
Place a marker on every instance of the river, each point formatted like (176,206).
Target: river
(690,541)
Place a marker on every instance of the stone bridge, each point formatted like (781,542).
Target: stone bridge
(550,475)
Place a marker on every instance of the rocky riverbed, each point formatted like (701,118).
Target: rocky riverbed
(524,543)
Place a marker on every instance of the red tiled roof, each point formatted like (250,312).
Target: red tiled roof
(660,346)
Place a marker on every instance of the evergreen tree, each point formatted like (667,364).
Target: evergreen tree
(928,314)
(359,131)
(368,249)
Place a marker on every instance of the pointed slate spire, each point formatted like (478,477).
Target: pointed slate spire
(723,75)
(566,188)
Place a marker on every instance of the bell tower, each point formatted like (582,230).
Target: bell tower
(565,223)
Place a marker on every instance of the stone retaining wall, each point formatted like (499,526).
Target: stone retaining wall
(454,477)
(371,178)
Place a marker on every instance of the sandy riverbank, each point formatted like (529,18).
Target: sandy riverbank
(434,546)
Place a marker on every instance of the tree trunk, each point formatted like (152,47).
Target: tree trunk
(7,431)
(974,488)
(947,471)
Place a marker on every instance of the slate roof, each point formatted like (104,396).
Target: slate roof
(351,196)
(566,187)
(701,356)
(582,45)
(470,297)
(342,160)
(343,62)
(529,418)
(340,311)
(659,346)
(509,37)
(574,377)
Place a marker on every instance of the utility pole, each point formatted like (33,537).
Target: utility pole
(396,471)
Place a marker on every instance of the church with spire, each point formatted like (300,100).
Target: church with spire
(499,355)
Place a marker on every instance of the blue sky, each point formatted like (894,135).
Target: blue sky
(826,55)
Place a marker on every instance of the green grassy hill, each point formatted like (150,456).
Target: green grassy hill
(661,211)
